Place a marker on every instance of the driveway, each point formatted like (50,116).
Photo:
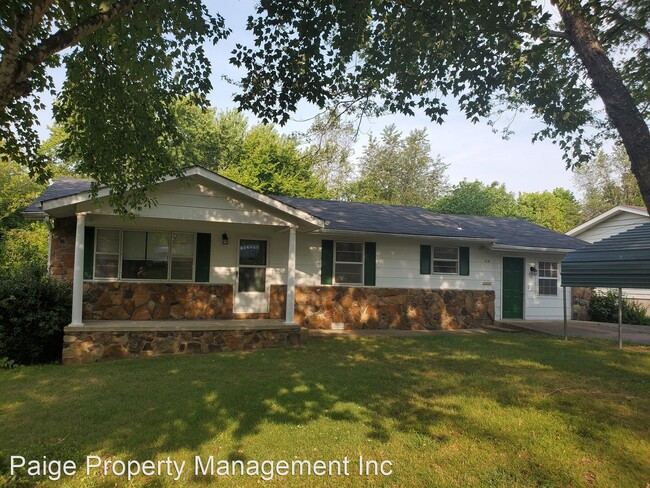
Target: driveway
(635,334)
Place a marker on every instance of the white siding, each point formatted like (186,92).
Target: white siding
(398,260)
(192,200)
(612,226)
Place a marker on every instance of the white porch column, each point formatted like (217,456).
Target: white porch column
(78,278)
(291,277)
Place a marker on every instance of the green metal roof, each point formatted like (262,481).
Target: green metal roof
(620,261)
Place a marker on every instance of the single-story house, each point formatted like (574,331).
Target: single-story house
(214,249)
(613,222)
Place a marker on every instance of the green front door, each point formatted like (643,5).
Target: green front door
(513,288)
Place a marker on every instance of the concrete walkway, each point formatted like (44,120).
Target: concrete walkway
(635,334)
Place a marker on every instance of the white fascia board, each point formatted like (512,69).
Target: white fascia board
(209,175)
(505,247)
(604,216)
(253,195)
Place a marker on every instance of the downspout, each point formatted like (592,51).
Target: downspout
(50,228)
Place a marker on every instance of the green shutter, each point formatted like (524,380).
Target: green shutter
(202,271)
(463,258)
(327,262)
(425,259)
(89,252)
(370,264)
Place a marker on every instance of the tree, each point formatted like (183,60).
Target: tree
(490,55)
(399,170)
(331,141)
(476,198)
(258,157)
(607,182)
(126,62)
(557,210)
(272,163)
(21,242)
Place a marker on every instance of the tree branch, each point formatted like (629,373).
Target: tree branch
(557,34)
(63,39)
(23,25)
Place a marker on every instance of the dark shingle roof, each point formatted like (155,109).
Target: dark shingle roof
(395,219)
(63,187)
(619,261)
(387,219)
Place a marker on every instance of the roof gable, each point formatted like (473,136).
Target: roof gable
(605,216)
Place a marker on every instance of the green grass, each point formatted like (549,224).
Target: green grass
(447,410)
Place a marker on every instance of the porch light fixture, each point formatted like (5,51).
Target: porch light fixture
(224,239)
(533,270)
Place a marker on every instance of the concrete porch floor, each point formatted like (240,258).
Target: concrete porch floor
(179,325)
(635,334)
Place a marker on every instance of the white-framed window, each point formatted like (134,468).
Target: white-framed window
(348,263)
(547,278)
(144,255)
(252,265)
(107,253)
(444,260)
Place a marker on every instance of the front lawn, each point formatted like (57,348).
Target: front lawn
(446,410)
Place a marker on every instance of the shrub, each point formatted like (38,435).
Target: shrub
(34,308)
(604,308)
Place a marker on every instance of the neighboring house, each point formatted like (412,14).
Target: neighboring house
(610,223)
(214,249)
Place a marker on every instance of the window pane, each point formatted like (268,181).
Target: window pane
(445,253)
(182,244)
(108,241)
(252,252)
(182,256)
(445,267)
(182,268)
(548,286)
(135,245)
(157,246)
(145,255)
(348,273)
(349,251)
(252,279)
(106,265)
(547,270)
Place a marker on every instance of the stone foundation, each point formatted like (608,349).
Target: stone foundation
(157,301)
(320,307)
(580,298)
(87,346)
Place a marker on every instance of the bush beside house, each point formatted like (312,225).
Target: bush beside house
(34,308)
(603,307)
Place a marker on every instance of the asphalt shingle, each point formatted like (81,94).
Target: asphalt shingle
(387,219)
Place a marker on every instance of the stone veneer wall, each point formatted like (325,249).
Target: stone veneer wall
(86,346)
(317,307)
(157,301)
(580,298)
(62,249)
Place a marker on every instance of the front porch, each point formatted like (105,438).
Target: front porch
(102,340)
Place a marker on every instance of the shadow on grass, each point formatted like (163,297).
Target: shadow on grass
(145,407)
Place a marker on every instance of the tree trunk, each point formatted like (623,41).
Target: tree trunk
(619,104)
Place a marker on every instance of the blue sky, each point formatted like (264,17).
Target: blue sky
(473,151)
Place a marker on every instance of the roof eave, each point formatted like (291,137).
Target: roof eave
(508,247)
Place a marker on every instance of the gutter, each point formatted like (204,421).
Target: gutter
(393,234)
(506,247)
